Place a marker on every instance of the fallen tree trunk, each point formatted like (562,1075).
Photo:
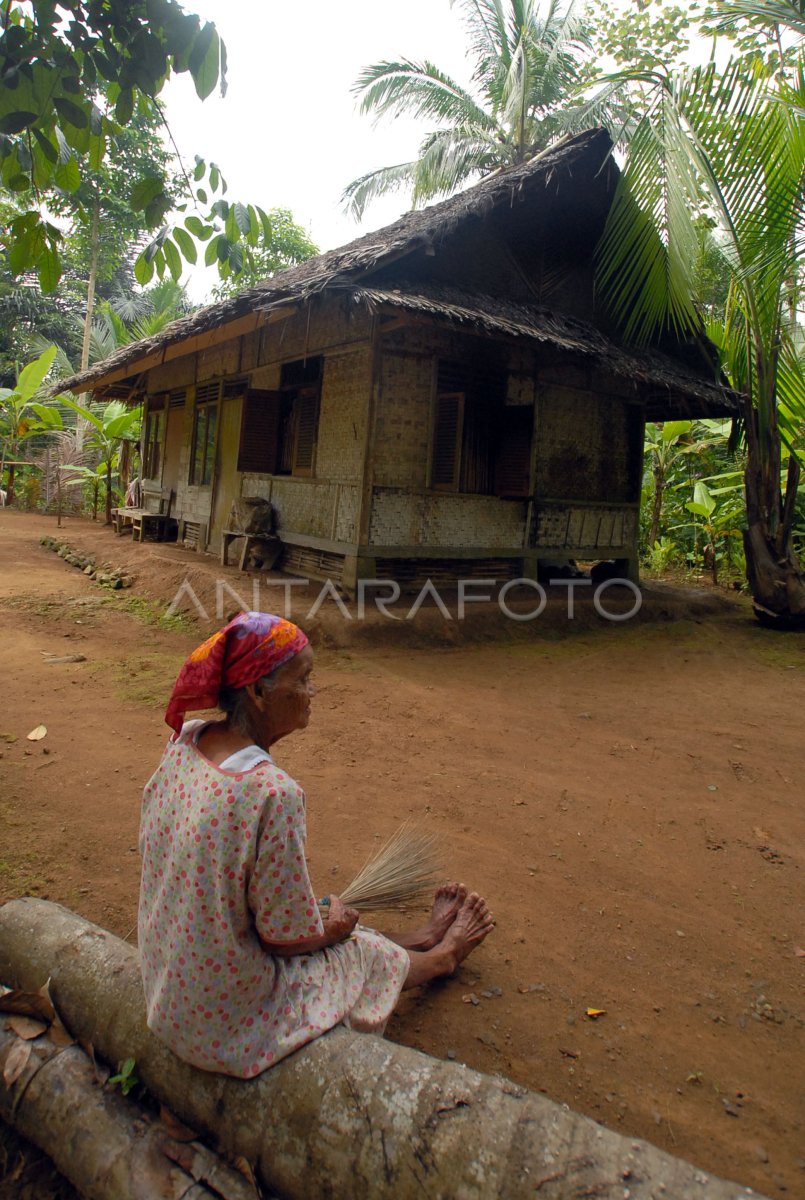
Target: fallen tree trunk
(350,1114)
(104,1144)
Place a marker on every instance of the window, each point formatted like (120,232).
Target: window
(447,438)
(280,428)
(479,443)
(513,456)
(154,444)
(259,431)
(202,449)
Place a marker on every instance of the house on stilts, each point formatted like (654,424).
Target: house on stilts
(441,398)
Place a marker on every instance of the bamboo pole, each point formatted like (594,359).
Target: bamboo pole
(350,1114)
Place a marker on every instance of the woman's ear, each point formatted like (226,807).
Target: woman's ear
(255,695)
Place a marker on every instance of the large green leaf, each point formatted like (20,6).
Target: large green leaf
(71,112)
(204,60)
(49,268)
(703,502)
(675,429)
(173,258)
(145,191)
(186,245)
(15,122)
(144,270)
(67,176)
(120,427)
(31,377)
(49,416)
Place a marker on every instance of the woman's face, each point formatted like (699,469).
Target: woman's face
(285,707)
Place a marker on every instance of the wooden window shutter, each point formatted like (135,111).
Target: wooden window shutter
(447,433)
(306,421)
(260,431)
(513,460)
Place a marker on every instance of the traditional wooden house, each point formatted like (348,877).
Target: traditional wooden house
(441,397)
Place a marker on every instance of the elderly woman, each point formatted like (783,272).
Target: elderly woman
(238,965)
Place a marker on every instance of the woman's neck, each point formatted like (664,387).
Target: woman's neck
(218,741)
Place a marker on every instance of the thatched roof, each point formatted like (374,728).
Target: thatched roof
(355,270)
(670,377)
(422,229)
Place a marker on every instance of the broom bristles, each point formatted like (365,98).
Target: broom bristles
(402,870)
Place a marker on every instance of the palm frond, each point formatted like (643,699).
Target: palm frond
(649,246)
(130,306)
(417,89)
(451,158)
(358,194)
(787,14)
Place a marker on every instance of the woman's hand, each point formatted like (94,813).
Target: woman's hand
(338,925)
(340,920)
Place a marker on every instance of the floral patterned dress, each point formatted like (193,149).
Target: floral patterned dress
(223,860)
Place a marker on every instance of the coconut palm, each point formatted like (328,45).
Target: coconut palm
(526,67)
(731,144)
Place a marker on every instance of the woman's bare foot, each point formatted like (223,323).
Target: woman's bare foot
(446,904)
(471,925)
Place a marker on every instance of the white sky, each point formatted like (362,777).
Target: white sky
(288,133)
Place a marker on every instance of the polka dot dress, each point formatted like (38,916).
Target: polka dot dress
(223,858)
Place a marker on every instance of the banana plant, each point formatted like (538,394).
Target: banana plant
(106,430)
(21,417)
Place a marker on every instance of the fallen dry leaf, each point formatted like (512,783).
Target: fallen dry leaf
(16,1061)
(27,1027)
(59,1035)
(37,734)
(595,1013)
(176,1128)
(28,1004)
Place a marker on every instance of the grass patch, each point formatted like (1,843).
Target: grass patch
(150,612)
(784,651)
(21,879)
(146,679)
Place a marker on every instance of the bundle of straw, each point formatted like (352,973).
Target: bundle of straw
(401,871)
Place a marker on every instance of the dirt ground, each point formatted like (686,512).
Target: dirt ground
(627,795)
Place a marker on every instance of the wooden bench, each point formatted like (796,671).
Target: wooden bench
(155,514)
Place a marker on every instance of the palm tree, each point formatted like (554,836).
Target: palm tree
(526,67)
(731,144)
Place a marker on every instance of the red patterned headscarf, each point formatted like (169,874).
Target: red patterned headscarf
(252,645)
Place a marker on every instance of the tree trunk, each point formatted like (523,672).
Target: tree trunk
(104,1144)
(656,510)
(109,491)
(774,574)
(773,571)
(80,422)
(10,485)
(350,1114)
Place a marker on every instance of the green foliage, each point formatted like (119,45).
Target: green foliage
(52,126)
(232,234)
(126,1076)
(21,417)
(693,511)
(288,245)
(644,36)
(77,93)
(526,67)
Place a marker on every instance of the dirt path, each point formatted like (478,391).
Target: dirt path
(629,799)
